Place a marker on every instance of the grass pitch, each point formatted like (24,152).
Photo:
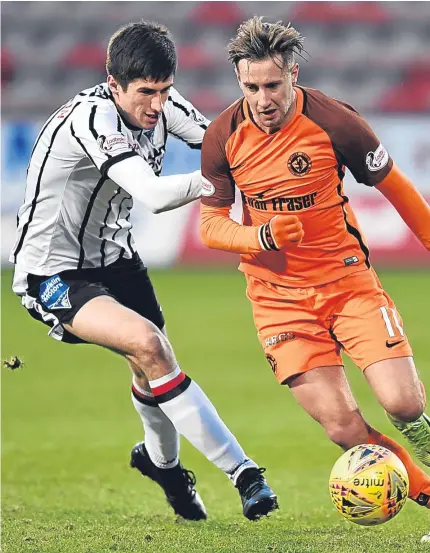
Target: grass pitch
(69,425)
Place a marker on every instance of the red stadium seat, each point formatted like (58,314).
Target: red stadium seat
(217,13)
(193,56)
(338,12)
(7,66)
(208,101)
(419,70)
(86,54)
(412,96)
(413,93)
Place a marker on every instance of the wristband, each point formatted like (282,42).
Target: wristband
(266,239)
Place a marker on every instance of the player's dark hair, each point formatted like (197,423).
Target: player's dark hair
(258,40)
(143,50)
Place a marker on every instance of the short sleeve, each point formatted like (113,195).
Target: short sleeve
(361,150)
(218,185)
(99,133)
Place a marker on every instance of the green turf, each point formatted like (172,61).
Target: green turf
(68,426)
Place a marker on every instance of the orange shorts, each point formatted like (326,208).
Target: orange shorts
(304,328)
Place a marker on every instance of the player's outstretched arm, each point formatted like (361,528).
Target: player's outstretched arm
(220,232)
(158,194)
(94,127)
(409,203)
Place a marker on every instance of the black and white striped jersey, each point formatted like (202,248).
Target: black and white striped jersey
(74,216)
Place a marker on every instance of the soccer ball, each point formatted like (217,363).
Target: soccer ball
(369,484)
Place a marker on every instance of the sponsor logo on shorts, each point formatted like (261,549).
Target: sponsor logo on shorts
(299,164)
(390,344)
(208,189)
(272,362)
(378,159)
(54,293)
(351,260)
(278,338)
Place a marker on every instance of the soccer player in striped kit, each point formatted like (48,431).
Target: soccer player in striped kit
(76,265)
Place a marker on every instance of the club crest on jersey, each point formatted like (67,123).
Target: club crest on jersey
(208,189)
(378,159)
(113,143)
(54,293)
(299,164)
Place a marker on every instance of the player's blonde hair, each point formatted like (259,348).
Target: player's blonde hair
(257,40)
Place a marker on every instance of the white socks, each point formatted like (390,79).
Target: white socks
(194,417)
(161,438)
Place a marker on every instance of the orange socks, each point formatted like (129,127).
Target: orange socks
(419,481)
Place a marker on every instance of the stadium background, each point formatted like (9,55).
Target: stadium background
(67,422)
(375,56)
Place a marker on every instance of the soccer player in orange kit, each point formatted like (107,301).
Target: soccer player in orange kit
(309,279)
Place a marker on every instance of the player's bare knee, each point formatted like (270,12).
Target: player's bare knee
(150,347)
(153,354)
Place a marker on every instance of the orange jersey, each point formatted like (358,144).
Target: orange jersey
(297,170)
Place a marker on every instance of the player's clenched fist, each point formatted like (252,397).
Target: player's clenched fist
(282,231)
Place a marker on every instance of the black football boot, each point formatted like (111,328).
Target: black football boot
(177,483)
(258,499)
